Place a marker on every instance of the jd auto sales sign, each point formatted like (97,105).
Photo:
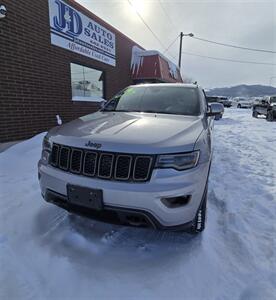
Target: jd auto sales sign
(72,30)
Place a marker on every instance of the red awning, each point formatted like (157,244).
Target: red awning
(153,66)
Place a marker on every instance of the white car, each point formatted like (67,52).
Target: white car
(142,160)
(242,102)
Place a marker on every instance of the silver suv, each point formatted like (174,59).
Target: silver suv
(142,160)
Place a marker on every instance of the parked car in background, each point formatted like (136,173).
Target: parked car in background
(266,107)
(216,99)
(241,102)
(143,160)
(225,101)
(256,100)
(220,99)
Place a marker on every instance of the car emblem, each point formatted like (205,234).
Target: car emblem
(93,145)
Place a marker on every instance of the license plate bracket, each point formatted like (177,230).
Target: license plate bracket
(83,196)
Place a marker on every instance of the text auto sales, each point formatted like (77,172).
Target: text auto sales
(99,34)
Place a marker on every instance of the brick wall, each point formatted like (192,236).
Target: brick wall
(35,80)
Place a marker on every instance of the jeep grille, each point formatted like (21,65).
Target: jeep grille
(103,165)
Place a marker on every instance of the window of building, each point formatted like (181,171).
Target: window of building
(87,83)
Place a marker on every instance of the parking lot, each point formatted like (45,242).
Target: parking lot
(47,254)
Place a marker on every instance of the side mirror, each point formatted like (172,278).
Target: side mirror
(215,109)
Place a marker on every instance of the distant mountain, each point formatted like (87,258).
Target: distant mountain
(243,90)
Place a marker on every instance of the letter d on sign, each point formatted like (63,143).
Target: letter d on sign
(67,18)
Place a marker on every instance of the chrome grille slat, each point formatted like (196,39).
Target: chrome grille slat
(123,167)
(90,163)
(105,165)
(142,167)
(76,160)
(102,165)
(54,155)
(64,155)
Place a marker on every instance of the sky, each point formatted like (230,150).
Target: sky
(244,23)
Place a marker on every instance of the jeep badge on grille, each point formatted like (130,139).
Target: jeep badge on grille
(93,145)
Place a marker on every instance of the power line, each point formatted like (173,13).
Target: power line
(156,37)
(233,46)
(142,19)
(171,44)
(166,14)
(230,60)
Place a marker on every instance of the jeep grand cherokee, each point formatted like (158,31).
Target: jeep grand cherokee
(142,160)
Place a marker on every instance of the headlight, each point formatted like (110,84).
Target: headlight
(46,145)
(46,149)
(178,162)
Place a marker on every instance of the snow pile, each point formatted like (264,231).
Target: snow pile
(47,254)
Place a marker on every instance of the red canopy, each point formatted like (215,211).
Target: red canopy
(153,66)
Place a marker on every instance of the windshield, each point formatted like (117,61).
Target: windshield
(273,99)
(157,99)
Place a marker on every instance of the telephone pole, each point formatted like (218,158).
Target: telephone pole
(180,50)
(180,46)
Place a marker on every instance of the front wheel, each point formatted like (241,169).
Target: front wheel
(255,114)
(269,116)
(239,106)
(200,218)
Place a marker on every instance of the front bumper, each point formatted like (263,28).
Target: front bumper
(114,215)
(142,198)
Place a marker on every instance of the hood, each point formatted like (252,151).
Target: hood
(130,132)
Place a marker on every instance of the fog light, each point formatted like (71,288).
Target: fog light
(174,202)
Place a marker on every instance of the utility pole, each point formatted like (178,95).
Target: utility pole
(180,46)
(180,50)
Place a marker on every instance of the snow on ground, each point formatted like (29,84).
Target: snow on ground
(47,254)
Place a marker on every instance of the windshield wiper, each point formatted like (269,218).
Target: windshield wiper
(118,110)
(157,112)
(124,110)
(150,111)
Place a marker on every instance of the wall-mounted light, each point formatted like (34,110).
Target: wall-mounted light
(3,11)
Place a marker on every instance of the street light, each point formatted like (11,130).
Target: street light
(188,34)
(180,46)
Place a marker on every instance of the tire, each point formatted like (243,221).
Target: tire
(239,106)
(269,116)
(200,218)
(254,114)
